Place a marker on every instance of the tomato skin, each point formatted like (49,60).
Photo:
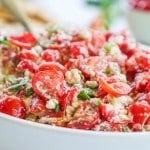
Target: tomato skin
(85,117)
(92,66)
(28,54)
(48,80)
(13,106)
(67,98)
(143,60)
(27,40)
(116,88)
(128,49)
(27,65)
(52,66)
(77,49)
(107,112)
(38,106)
(50,55)
(140,112)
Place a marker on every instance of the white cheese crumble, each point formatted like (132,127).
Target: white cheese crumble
(73,76)
(51,104)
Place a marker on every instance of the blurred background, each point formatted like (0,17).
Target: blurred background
(115,15)
(78,13)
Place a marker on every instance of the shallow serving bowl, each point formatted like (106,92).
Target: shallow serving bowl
(17,134)
(139,23)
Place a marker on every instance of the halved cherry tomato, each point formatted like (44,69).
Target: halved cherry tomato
(116,88)
(38,107)
(50,55)
(13,106)
(52,66)
(27,40)
(77,49)
(27,65)
(28,54)
(92,65)
(46,83)
(85,117)
(140,112)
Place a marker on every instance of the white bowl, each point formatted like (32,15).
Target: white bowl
(17,134)
(139,23)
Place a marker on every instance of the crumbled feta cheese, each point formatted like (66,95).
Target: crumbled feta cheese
(113,68)
(91,84)
(51,104)
(73,76)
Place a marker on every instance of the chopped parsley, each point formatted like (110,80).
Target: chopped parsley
(29,92)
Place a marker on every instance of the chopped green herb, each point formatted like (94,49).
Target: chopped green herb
(86,93)
(19,86)
(29,92)
(57,108)
(90,92)
(4,41)
(11,79)
(96,101)
(107,48)
(83,95)
(99,102)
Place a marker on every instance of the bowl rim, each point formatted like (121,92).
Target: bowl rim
(46,127)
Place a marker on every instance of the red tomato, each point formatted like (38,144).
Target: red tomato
(140,4)
(47,83)
(92,65)
(98,39)
(52,66)
(27,65)
(116,88)
(129,49)
(38,107)
(63,89)
(132,65)
(140,112)
(70,64)
(50,55)
(13,106)
(77,49)
(141,82)
(147,89)
(28,54)
(53,114)
(107,112)
(143,60)
(68,97)
(27,40)
(85,117)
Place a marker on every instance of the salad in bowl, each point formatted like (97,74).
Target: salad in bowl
(85,79)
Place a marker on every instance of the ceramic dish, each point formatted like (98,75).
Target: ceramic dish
(17,134)
(139,23)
